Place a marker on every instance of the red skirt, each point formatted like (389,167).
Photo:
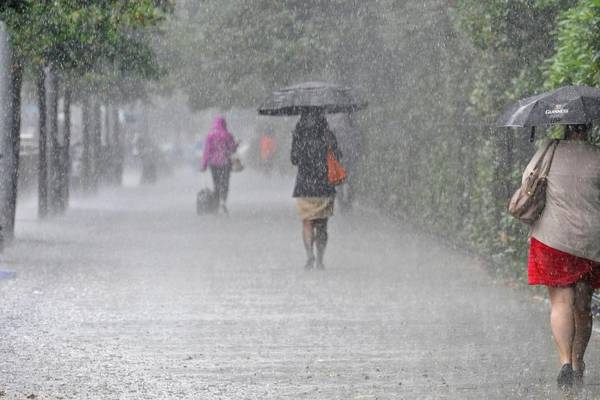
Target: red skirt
(551,267)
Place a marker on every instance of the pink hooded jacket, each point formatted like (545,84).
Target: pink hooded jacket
(219,145)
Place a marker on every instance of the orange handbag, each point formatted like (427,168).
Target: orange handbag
(335,171)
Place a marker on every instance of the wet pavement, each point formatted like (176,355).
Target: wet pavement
(133,296)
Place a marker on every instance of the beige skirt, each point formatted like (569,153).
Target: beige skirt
(310,208)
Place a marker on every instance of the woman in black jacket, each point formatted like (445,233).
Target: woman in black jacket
(315,196)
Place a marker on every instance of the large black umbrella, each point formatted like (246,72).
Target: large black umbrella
(564,106)
(295,99)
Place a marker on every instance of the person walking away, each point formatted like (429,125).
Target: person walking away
(267,151)
(315,196)
(219,145)
(149,156)
(564,252)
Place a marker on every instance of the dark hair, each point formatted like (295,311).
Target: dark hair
(577,128)
(312,122)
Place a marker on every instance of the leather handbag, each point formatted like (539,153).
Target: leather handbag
(529,200)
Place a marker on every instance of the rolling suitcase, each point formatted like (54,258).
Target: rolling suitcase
(206,202)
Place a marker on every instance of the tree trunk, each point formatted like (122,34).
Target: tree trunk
(15,134)
(55,147)
(42,160)
(11,73)
(118,151)
(96,140)
(86,155)
(108,148)
(66,156)
(107,116)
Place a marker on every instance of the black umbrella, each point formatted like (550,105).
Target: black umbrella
(564,106)
(295,99)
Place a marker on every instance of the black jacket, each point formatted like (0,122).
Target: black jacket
(309,154)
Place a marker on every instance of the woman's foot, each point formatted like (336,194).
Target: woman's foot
(310,263)
(320,265)
(565,377)
(224,208)
(578,375)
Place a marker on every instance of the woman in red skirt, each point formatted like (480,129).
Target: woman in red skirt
(565,247)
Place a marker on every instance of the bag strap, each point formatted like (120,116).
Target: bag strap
(538,162)
(553,145)
(328,133)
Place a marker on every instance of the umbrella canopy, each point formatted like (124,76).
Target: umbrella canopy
(566,105)
(295,99)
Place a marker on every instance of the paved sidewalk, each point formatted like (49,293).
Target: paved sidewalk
(132,296)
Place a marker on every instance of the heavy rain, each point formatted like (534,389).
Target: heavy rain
(299,199)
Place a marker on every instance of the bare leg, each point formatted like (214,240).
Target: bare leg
(583,323)
(321,240)
(562,321)
(309,238)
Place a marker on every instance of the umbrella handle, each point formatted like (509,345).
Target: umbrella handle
(532,135)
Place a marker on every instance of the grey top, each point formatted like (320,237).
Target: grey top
(570,221)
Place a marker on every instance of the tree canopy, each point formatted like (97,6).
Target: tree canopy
(234,52)
(577,57)
(105,41)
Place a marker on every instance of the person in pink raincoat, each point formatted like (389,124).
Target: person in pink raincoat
(219,145)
